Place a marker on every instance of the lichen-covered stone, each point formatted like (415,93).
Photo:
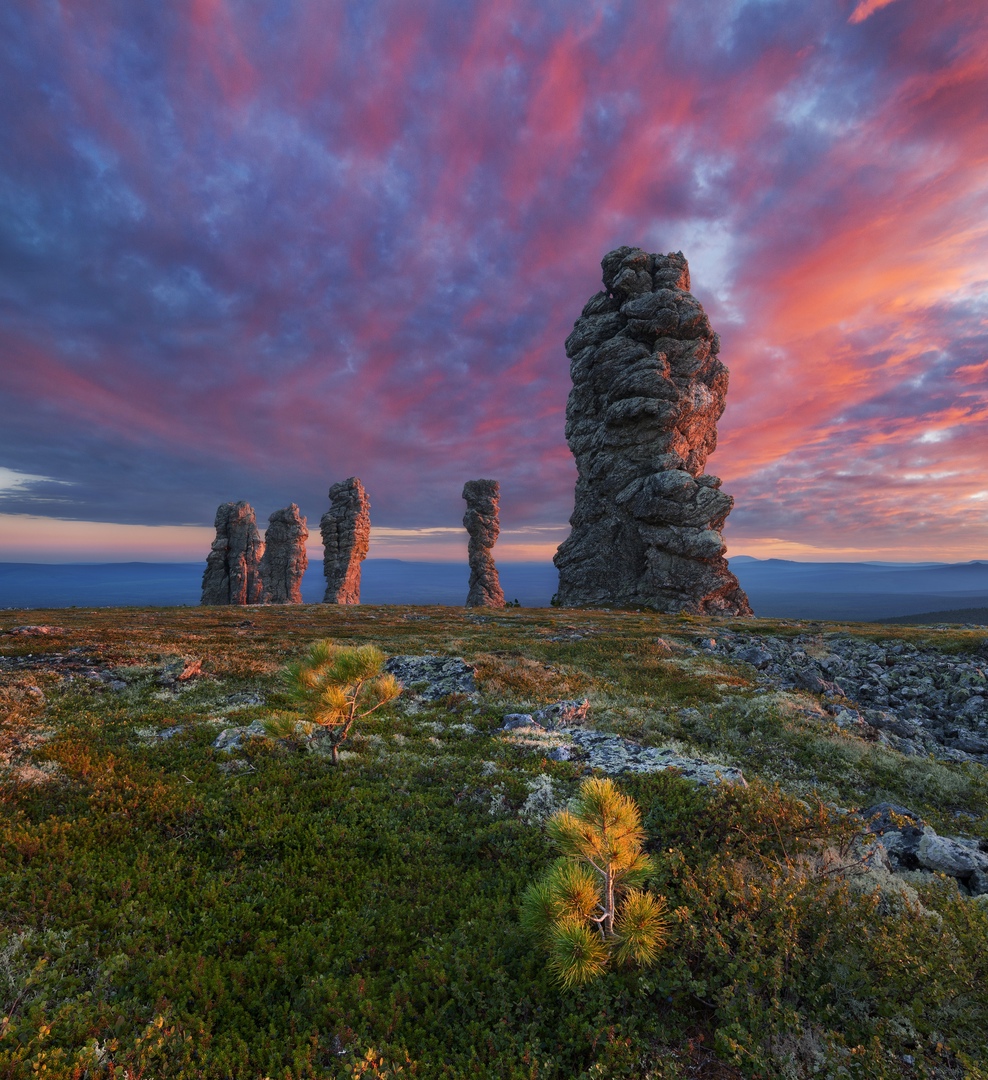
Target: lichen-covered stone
(345,531)
(432,677)
(232,574)
(285,557)
(641,421)
(481,522)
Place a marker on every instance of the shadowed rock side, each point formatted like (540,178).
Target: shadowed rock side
(641,420)
(285,557)
(232,574)
(345,531)
(480,521)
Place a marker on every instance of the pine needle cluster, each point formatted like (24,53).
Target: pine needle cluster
(589,907)
(338,685)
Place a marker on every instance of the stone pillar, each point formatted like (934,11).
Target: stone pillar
(345,531)
(481,522)
(285,557)
(648,390)
(232,574)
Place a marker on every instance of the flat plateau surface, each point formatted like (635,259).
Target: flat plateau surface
(172,909)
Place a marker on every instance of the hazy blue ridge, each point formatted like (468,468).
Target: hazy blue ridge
(777,588)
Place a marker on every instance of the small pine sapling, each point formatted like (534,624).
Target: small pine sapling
(588,908)
(338,685)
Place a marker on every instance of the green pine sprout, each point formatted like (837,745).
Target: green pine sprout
(588,907)
(338,685)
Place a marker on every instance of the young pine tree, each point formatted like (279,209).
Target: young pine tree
(588,909)
(338,685)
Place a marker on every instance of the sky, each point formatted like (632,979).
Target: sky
(249,248)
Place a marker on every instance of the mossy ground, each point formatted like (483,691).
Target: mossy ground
(163,917)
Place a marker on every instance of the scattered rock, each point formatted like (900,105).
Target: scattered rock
(245,699)
(481,522)
(232,739)
(641,420)
(232,574)
(345,531)
(562,712)
(913,845)
(285,559)
(912,697)
(518,720)
(180,670)
(430,678)
(615,755)
(36,631)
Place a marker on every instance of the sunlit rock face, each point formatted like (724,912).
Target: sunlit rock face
(481,522)
(285,557)
(345,531)
(641,420)
(232,574)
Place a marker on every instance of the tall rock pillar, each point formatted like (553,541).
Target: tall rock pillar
(285,557)
(481,522)
(232,574)
(648,390)
(345,531)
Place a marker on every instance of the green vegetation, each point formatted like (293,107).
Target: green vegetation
(586,907)
(337,685)
(171,910)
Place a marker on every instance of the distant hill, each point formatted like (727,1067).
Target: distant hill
(976,615)
(865,591)
(778,588)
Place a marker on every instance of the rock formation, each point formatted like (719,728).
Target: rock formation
(285,557)
(481,523)
(232,567)
(641,419)
(345,531)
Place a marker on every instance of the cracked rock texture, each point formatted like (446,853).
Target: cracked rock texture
(232,574)
(285,558)
(432,678)
(641,420)
(345,531)
(481,522)
(916,698)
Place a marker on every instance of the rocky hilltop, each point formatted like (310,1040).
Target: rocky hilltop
(641,420)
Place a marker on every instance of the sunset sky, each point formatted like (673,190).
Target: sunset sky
(249,248)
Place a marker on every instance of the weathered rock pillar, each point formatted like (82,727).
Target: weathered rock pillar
(232,574)
(641,420)
(285,557)
(345,531)
(481,522)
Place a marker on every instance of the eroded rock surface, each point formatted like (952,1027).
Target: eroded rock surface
(648,390)
(432,677)
(913,845)
(481,522)
(345,531)
(914,697)
(285,557)
(232,574)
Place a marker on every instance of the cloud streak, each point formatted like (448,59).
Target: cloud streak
(244,257)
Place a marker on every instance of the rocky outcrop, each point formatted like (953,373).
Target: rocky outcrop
(285,557)
(911,844)
(345,531)
(481,522)
(232,574)
(648,390)
(915,697)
